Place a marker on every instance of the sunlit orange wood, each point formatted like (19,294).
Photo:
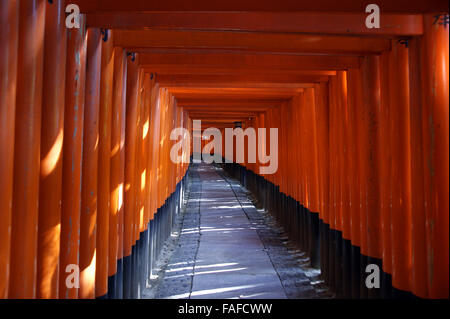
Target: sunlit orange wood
(72,155)
(155,120)
(144,172)
(149,98)
(52,137)
(117,156)
(104,153)
(130,149)
(89,199)
(22,283)
(139,209)
(162,143)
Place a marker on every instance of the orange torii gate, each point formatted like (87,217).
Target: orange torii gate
(86,115)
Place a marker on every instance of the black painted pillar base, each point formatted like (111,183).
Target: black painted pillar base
(112,287)
(127,274)
(119,280)
(343,267)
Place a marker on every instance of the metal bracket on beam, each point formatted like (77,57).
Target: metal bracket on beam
(133,56)
(105,34)
(405,42)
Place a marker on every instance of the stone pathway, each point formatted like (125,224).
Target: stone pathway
(223,247)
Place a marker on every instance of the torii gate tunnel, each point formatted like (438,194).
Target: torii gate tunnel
(91,92)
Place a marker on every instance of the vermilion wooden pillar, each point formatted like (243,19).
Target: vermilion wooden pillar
(277,124)
(256,166)
(52,137)
(261,143)
(9,35)
(300,151)
(22,282)
(314,170)
(321,98)
(72,155)
(304,145)
(355,102)
(367,132)
(175,124)
(131,183)
(351,196)
(332,153)
(419,273)
(341,104)
(117,155)
(435,117)
(88,221)
(156,117)
(150,137)
(350,172)
(284,144)
(162,141)
(145,149)
(291,154)
(355,97)
(362,145)
(401,173)
(337,146)
(140,161)
(169,163)
(104,154)
(173,119)
(137,172)
(385,163)
(166,151)
(369,161)
(130,153)
(345,157)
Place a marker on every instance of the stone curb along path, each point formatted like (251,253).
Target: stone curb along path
(223,247)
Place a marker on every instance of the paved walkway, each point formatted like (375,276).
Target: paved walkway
(225,248)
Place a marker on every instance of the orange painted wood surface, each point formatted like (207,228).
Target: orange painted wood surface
(9,37)
(52,138)
(72,156)
(89,188)
(24,232)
